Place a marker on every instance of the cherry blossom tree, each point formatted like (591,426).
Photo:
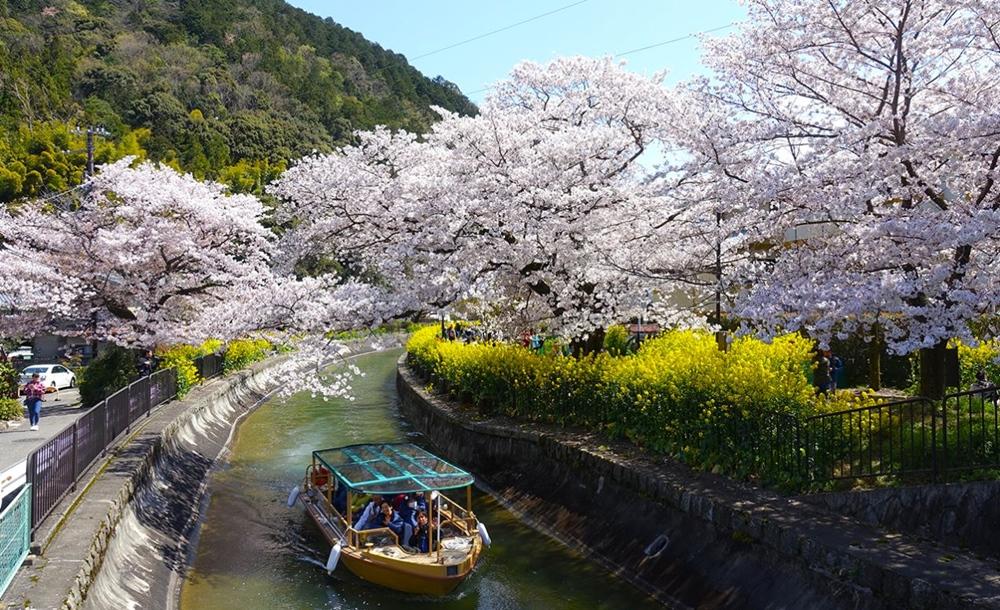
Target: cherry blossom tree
(146,256)
(541,197)
(859,140)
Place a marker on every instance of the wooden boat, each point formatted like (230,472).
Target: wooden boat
(379,555)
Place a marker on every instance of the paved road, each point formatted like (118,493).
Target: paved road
(58,411)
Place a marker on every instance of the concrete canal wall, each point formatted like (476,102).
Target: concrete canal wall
(693,539)
(122,539)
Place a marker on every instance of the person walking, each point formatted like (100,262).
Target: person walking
(836,373)
(147,363)
(34,393)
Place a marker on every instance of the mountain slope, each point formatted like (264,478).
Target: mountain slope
(227,89)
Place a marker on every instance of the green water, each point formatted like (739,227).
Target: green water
(253,552)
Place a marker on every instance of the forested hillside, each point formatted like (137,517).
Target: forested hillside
(225,89)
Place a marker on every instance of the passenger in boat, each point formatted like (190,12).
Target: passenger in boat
(371,510)
(408,514)
(421,538)
(421,500)
(340,498)
(386,518)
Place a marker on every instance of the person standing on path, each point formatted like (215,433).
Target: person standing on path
(34,392)
(821,376)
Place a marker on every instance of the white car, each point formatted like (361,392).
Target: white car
(54,376)
(22,353)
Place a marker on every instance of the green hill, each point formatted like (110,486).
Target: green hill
(225,89)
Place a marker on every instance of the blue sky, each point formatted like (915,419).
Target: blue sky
(592,27)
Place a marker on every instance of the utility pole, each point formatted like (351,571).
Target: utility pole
(88,173)
(90,132)
(720,335)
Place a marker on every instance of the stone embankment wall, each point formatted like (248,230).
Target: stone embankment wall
(962,515)
(690,539)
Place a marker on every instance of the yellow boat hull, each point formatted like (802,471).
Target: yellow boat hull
(429,582)
(395,569)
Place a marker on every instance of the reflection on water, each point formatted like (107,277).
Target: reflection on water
(254,552)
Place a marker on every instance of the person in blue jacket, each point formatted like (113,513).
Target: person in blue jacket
(386,518)
(408,513)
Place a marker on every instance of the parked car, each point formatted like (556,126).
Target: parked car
(25,352)
(54,376)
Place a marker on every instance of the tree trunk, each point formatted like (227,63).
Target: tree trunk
(592,344)
(875,361)
(932,363)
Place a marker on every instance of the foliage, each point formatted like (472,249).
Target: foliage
(113,369)
(241,353)
(871,187)
(224,90)
(679,394)
(10,409)
(984,356)
(538,200)
(181,357)
(175,247)
(9,379)
(616,340)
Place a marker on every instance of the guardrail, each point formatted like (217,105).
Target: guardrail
(914,436)
(15,536)
(55,467)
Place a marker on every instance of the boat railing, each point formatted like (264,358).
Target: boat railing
(455,514)
(361,536)
(327,505)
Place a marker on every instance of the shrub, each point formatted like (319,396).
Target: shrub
(11,409)
(982,357)
(241,353)
(181,357)
(8,380)
(616,341)
(679,394)
(112,370)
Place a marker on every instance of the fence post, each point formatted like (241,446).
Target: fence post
(798,448)
(73,486)
(934,452)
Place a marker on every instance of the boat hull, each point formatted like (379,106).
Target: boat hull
(408,574)
(399,580)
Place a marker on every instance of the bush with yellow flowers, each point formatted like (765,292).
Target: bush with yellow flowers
(728,411)
(241,353)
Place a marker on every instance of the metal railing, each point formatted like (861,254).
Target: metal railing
(209,365)
(15,535)
(909,437)
(56,467)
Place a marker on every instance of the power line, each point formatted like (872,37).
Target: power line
(503,29)
(645,48)
(673,40)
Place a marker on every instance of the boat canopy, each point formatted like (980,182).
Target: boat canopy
(391,468)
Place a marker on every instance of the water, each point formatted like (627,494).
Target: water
(254,552)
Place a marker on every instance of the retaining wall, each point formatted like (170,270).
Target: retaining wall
(729,545)
(961,515)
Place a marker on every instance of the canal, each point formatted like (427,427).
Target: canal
(254,552)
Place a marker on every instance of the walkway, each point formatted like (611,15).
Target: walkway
(16,443)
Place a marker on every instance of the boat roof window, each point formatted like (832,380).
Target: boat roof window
(392,468)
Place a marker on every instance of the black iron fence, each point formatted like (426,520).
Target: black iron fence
(54,468)
(209,365)
(913,437)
